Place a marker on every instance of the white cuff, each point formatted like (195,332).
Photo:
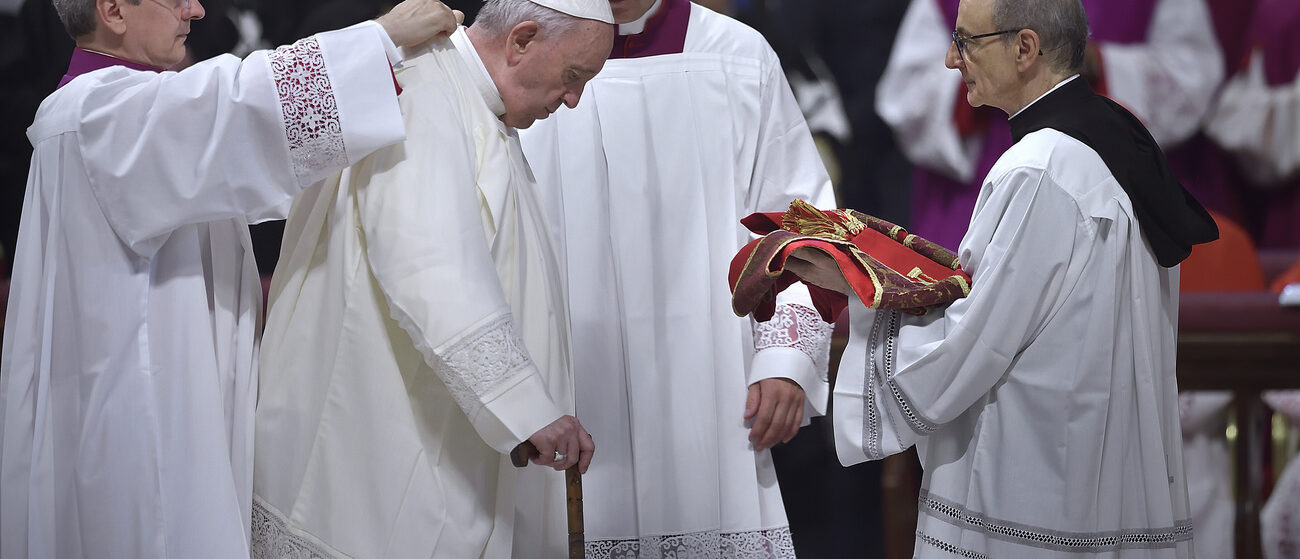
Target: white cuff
(794,364)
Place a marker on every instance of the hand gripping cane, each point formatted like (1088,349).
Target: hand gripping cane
(573,490)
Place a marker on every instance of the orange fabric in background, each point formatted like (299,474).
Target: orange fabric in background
(1227,264)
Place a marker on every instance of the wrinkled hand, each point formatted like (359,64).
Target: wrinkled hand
(776,406)
(416,21)
(818,268)
(566,436)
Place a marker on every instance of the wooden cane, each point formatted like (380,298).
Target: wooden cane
(573,497)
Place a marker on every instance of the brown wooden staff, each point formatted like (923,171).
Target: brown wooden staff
(573,497)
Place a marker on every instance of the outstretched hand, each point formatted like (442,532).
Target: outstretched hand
(565,439)
(776,406)
(416,21)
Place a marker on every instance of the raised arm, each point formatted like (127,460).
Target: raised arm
(230,138)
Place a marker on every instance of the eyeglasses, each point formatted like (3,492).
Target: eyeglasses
(178,6)
(963,42)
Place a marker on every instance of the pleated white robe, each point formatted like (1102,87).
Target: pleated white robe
(416,322)
(647,180)
(1044,405)
(128,376)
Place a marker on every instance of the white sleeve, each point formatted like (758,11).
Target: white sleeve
(917,95)
(904,377)
(795,344)
(1259,124)
(231,138)
(425,244)
(1170,80)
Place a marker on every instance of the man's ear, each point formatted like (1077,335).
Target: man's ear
(521,39)
(1028,48)
(110,15)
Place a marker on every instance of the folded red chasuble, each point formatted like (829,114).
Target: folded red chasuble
(885,265)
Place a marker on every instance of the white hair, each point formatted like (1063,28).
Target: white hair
(499,16)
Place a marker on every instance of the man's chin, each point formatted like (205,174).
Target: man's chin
(520,124)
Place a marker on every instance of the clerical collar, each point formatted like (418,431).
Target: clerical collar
(636,27)
(478,72)
(1172,221)
(1049,92)
(86,61)
(663,31)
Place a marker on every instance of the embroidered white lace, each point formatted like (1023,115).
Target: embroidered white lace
(310,111)
(798,327)
(481,360)
(273,539)
(759,544)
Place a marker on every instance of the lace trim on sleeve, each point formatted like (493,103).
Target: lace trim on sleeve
(309,109)
(482,360)
(798,327)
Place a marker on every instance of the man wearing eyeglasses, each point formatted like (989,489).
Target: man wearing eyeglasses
(1158,58)
(128,374)
(1044,404)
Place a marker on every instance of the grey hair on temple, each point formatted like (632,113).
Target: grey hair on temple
(78,16)
(1062,27)
(499,16)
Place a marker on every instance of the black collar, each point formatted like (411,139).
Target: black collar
(1170,218)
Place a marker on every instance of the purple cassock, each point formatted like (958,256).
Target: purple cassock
(85,62)
(1275,33)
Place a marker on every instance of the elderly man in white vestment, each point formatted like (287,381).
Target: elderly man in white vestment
(129,365)
(417,329)
(1044,404)
(690,127)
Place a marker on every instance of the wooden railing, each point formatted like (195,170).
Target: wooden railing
(1244,343)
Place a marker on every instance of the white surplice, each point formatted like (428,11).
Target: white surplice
(1168,81)
(416,322)
(647,180)
(1044,405)
(128,375)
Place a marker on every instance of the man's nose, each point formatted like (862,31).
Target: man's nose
(571,97)
(196,10)
(952,59)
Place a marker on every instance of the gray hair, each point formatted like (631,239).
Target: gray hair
(499,16)
(1062,27)
(78,16)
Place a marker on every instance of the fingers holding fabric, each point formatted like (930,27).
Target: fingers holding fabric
(413,22)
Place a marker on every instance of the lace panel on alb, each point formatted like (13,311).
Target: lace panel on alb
(310,111)
(481,360)
(798,327)
(273,539)
(758,544)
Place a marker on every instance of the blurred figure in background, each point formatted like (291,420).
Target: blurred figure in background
(1257,120)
